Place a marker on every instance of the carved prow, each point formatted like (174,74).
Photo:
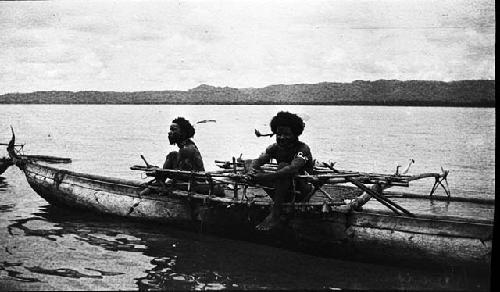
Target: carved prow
(17,157)
(11,146)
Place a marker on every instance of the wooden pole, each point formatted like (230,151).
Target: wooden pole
(210,185)
(378,196)
(145,161)
(324,173)
(386,202)
(235,184)
(484,201)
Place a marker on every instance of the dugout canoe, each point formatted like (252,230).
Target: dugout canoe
(326,229)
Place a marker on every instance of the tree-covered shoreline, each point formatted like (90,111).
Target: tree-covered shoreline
(464,93)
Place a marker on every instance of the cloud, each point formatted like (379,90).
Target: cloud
(18,42)
(155,45)
(24,15)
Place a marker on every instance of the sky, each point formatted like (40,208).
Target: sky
(140,45)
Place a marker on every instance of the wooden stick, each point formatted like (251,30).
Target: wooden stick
(145,161)
(330,179)
(236,184)
(359,201)
(484,201)
(198,174)
(211,185)
(325,193)
(422,175)
(143,168)
(378,196)
(322,172)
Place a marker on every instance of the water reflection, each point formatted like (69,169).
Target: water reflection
(3,184)
(163,276)
(97,233)
(439,207)
(61,272)
(181,260)
(13,274)
(4,208)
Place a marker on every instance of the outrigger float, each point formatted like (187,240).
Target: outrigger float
(332,220)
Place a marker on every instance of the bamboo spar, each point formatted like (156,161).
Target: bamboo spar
(324,172)
(334,176)
(236,184)
(378,196)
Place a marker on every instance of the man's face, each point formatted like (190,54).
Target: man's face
(285,137)
(175,134)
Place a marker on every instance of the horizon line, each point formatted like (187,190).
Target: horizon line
(223,87)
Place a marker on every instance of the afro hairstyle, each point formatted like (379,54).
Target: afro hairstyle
(286,119)
(186,128)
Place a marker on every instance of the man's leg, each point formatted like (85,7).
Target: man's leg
(283,187)
(170,163)
(304,188)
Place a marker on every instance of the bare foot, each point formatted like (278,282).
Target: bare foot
(268,224)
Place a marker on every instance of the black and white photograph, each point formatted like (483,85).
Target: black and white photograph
(242,145)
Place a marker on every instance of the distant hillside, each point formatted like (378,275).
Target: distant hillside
(467,93)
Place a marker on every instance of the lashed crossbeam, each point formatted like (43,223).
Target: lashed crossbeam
(234,172)
(329,176)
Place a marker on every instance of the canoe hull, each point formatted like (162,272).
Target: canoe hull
(70,190)
(351,235)
(396,243)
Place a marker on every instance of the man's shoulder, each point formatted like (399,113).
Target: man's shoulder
(272,148)
(189,148)
(303,147)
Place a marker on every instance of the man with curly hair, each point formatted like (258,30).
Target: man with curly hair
(188,157)
(293,157)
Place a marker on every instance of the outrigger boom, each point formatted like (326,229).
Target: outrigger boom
(326,174)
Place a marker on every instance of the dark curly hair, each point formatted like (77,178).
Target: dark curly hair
(186,127)
(286,119)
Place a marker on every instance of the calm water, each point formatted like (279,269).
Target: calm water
(48,248)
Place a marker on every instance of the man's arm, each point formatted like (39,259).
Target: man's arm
(287,171)
(190,159)
(264,158)
(298,163)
